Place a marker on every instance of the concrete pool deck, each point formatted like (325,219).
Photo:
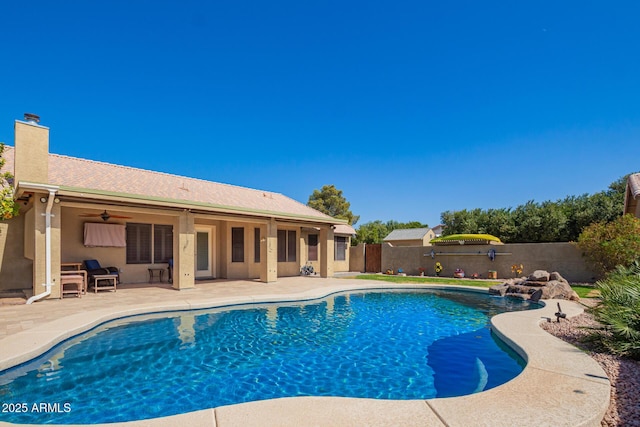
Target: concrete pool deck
(560,386)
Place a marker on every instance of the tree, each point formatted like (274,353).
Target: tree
(8,206)
(371,232)
(608,245)
(559,221)
(330,201)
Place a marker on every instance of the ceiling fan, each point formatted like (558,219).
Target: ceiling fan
(105,216)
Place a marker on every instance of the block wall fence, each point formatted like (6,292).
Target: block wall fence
(565,258)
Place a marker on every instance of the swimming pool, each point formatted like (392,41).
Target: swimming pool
(385,345)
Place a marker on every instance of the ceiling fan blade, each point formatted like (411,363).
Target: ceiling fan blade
(104,215)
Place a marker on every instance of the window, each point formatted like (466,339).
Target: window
(138,243)
(282,245)
(237,244)
(256,244)
(340,252)
(146,242)
(162,243)
(313,247)
(286,246)
(291,245)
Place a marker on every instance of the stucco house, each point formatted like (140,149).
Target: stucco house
(438,229)
(410,237)
(632,194)
(74,209)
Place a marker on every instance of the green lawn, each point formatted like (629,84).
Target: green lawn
(433,280)
(582,291)
(586,291)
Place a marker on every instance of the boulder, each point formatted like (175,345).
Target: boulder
(499,289)
(539,276)
(556,276)
(553,286)
(556,289)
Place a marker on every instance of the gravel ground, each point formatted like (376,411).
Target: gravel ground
(624,374)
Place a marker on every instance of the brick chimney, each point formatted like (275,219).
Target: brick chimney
(31,159)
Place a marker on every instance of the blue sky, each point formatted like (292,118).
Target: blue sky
(411,108)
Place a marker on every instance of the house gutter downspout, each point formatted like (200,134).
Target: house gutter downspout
(47,239)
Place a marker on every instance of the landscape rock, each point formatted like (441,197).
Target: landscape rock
(539,276)
(500,289)
(553,286)
(559,290)
(556,276)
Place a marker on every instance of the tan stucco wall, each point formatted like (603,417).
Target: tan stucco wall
(35,245)
(304,249)
(246,269)
(249,269)
(562,257)
(429,236)
(291,268)
(31,153)
(339,266)
(183,251)
(16,271)
(356,258)
(73,249)
(327,252)
(28,242)
(415,242)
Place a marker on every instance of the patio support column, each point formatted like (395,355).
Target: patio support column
(39,244)
(184,252)
(269,250)
(327,252)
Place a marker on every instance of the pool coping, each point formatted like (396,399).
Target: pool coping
(560,385)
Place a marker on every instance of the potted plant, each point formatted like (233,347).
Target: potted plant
(421,270)
(438,268)
(517,269)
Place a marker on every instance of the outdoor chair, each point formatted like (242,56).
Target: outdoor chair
(94,269)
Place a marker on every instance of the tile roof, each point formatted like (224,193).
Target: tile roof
(75,174)
(407,234)
(344,229)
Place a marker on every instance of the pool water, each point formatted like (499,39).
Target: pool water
(383,345)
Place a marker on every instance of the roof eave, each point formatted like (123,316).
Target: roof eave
(108,196)
(29,187)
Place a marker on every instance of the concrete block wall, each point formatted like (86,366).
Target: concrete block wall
(565,258)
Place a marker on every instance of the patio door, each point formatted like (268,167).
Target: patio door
(204,261)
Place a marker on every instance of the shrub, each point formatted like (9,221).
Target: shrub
(619,311)
(8,207)
(606,246)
